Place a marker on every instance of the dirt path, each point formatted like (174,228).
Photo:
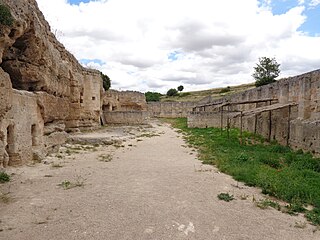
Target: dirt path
(147,185)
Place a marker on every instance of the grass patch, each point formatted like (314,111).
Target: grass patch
(279,171)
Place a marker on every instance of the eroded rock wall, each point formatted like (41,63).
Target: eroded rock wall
(44,91)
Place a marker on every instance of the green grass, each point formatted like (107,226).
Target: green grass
(279,171)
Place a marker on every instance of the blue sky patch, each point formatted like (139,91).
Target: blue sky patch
(77,2)
(173,56)
(86,61)
(312,23)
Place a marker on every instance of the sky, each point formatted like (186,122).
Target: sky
(155,45)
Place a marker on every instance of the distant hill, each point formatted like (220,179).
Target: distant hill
(215,93)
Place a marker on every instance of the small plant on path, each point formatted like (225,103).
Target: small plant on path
(105,158)
(4,177)
(265,203)
(225,197)
(66,184)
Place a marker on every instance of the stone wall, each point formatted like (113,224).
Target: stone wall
(44,91)
(170,109)
(126,117)
(301,131)
(126,107)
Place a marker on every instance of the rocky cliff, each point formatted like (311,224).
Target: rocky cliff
(44,91)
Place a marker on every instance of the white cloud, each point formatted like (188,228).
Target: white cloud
(217,43)
(315,3)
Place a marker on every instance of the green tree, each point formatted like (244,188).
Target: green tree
(266,71)
(5,16)
(180,88)
(153,96)
(106,81)
(172,92)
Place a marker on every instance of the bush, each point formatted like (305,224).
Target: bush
(5,16)
(172,92)
(153,96)
(225,90)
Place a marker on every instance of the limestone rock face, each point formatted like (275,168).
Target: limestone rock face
(43,88)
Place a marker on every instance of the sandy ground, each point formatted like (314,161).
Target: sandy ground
(142,183)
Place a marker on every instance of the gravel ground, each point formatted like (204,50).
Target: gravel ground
(146,185)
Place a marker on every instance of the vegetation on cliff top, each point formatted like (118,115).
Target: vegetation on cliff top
(5,16)
(279,171)
(105,81)
(214,93)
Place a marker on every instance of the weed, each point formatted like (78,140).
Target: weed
(265,203)
(56,165)
(244,196)
(66,184)
(225,197)
(300,225)
(294,208)
(4,177)
(5,197)
(105,157)
(313,216)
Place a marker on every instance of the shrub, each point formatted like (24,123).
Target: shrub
(153,96)
(5,16)
(225,90)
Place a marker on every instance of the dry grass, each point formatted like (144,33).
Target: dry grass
(215,93)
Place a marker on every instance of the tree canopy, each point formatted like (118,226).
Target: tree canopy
(106,81)
(180,88)
(172,92)
(266,71)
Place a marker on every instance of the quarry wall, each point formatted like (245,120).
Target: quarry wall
(44,91)
(170,109)
(126,107)
(297,125)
